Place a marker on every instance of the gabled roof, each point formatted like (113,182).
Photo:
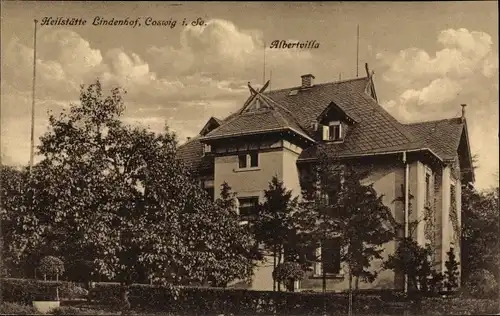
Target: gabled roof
(270,117)
(212,122)
(249,123)
(442,136)
(446,138)
(191,154)
(351,117)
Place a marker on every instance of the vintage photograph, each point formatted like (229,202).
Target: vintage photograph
(249,158)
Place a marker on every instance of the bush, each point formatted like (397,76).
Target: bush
(481,284)
(16,309)
(69,290)
(458,306)
(51,266)
(199,300)
(70,310)
(25,291)
(288,272)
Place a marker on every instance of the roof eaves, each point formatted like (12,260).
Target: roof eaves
(378,154)
(257,132)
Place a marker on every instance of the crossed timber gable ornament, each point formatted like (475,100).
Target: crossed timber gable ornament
(257,101)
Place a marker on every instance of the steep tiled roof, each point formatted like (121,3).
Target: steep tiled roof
(442,136)
(191,154)
(375,130)
(308,104)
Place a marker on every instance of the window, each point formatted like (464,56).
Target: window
(330,256)
(208,186)
(427,197)
(254,159)
(335,131)
(248,207)
(207,148)
(242,161)
(250,160)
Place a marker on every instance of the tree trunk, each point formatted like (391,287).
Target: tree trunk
(279,261)
(350,292)
(356,283)
(57,277)
(124,293)
(274,268)
(45,277)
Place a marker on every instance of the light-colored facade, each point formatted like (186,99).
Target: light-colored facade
(274,134)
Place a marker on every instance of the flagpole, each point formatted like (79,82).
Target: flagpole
(32,144)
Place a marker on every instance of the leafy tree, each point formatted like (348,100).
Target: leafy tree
(21,229)
(288,273)
(51,266)
(452,271)
(480,231)
(413,260)
(124,193)
(274,225)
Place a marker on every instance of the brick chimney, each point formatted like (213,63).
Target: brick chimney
(307,81)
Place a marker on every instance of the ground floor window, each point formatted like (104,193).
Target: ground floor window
(330,256)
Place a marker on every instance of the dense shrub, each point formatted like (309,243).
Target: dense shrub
(458,306)
(7,308)
(70,310)
(288,272)
(198,300)
(25,291)
(481,284)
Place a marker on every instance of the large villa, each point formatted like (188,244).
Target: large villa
(277,133)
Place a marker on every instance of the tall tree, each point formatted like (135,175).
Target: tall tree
(480,231)
(125,193)
(274,225)
(338,205)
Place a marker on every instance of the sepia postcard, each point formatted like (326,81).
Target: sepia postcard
(249,158)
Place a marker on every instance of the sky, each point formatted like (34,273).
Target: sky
(428,58)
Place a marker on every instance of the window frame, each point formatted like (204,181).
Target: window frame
(331,131)
(248,161)
(337,266)
(249,199)
(242,158)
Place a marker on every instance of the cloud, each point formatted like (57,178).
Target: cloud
(464,70)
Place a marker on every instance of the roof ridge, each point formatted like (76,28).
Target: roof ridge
(432,121)
(317,84)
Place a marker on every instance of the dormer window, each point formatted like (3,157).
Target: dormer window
(335,131)
(207,149)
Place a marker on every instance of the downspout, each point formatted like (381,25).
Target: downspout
(406,209)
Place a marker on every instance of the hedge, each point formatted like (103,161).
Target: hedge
(203,301)
(25,291)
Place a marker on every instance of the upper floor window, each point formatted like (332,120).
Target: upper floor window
(250,160)
(207,149)
(248,207)
(333,132)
